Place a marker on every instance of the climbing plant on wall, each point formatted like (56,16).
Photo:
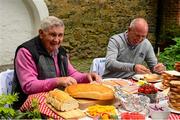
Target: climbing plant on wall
(90,23)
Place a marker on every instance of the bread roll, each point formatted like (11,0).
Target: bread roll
(61,100)
(175,90)
(90,91)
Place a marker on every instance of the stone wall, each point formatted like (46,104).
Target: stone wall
(168,26)
(171,12)
(90,23)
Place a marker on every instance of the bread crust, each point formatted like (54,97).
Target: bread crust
(90,91)
(175,82)
(61,100)
(174,101)
(175,90)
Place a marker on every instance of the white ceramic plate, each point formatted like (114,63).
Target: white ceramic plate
(138,77)
(159,86)
(141,77)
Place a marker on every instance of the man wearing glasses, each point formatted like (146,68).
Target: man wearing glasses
(126,53)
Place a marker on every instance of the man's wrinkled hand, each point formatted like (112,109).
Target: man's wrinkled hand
(141,69)
(94,77)
(66,81)
(159,68)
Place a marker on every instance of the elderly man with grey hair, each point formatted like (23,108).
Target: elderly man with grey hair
(127,51)
(41,64)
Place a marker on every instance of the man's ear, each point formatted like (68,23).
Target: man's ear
(129,29)
(40,33)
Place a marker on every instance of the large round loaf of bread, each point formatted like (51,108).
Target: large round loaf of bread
(90,91)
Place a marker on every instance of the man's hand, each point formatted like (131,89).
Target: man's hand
(94,77)
(159,68)
(141,69)
(66,81)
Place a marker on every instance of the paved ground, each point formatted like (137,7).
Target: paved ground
(5,67)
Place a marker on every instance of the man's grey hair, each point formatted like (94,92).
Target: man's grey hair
(51,21)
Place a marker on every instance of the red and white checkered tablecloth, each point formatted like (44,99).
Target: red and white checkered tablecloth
(45,110)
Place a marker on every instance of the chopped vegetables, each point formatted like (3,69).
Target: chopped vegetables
(141,82)
(104,112)
(132,116)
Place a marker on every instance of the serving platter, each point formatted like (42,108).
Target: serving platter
(116,81)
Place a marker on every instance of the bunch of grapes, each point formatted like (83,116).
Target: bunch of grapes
(147,89)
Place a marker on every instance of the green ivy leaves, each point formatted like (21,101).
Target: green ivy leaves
(171,54)
(10,113)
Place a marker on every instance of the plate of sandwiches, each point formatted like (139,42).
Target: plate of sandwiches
(148,77)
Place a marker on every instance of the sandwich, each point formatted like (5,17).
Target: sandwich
(152,77)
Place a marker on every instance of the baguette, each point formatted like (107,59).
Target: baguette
(61,100)
(90,91)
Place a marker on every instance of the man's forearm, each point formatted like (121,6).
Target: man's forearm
(115,65)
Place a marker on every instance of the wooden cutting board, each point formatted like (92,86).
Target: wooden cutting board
(84,103)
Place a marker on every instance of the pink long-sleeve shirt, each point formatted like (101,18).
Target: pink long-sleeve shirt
(27,74)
